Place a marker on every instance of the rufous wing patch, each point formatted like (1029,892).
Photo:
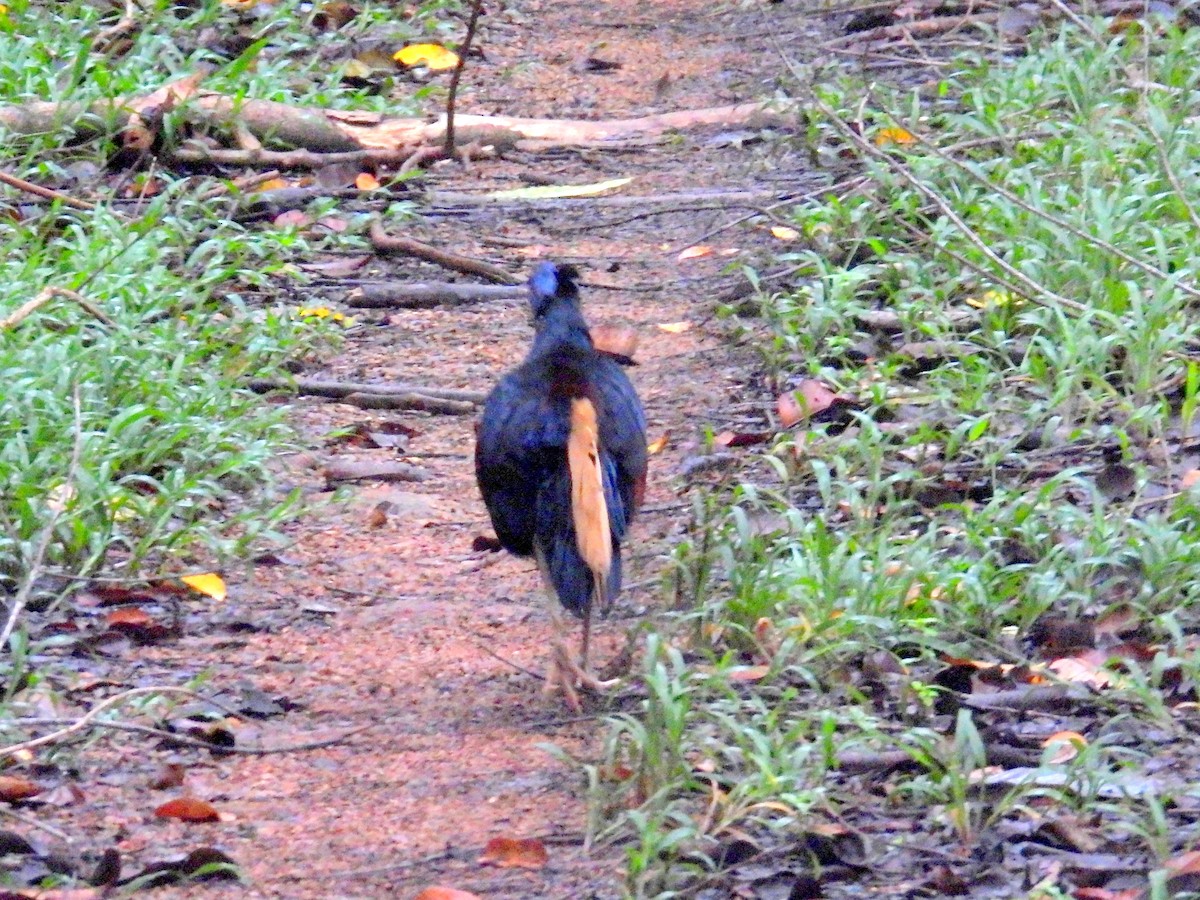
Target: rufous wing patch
(588,506)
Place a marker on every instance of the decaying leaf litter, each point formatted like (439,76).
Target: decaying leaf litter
(383,601)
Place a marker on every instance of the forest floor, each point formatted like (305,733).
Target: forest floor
(385,619)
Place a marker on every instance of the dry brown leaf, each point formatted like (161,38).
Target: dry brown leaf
(14,788)
(784,233)
(365,181)
(131,616)
(444,893)
(1066,746)
(809,398)
(188,809)
(617,340)
(520,853)
(695,252)
(748,673)
(168,776)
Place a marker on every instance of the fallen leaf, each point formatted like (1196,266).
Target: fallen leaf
(740,438)
(14,788)
(431,56)
(1065,746)
(674,327)
(695,252)
(886,137)
(209,584)
(508,853)
(748,673)
(1189,479)
(659,444)
(615,340)
(809,398)
(445,893)
(129,617)
(168,776)
(272,184)
(188,809)
(292,218)
(366,182)
(784,233)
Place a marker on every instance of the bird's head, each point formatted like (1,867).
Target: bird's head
(549,283)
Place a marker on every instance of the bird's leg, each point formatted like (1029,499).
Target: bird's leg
(561,674)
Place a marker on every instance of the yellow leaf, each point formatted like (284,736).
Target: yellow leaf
(313,312)
(784,233)
(674,327)
(554,191)
(209,584)
(659,444)
(886,136)
(695,252)
(432,56)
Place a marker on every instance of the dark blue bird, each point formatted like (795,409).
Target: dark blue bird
(561,462)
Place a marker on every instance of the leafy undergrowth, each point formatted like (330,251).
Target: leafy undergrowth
(952,630)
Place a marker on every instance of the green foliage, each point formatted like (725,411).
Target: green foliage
(1058,313)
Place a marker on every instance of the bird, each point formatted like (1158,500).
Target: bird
(560,459)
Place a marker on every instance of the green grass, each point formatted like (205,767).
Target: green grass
(960,506)
(173,452)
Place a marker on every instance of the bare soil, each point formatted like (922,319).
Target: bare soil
(399,626)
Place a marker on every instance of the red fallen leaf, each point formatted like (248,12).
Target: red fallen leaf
(188,809)
(809,398)
(14,788)
(445,893)
(128,617)
(510,853)
(740,438)
(1184,864)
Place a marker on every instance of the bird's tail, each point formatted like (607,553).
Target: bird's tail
(589,508)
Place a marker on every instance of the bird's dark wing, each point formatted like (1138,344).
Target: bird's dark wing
(623,436)
(520,438)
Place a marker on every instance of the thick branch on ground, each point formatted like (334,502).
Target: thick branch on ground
(333,131)
(399,295)
(402,246)
(461,400)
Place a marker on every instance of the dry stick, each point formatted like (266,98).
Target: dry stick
(289,159)
(30,188)
(26,309)
(1034,292)
(386,243)
(454,79)
(188,741)
(337,389)
(88,720)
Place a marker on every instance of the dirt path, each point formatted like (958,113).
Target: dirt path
(384,625)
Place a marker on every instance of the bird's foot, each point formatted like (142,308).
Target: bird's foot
(569,677)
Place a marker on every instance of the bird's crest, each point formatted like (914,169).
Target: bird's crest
(551,282)
(589,508)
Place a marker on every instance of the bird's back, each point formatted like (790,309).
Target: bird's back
(521,454)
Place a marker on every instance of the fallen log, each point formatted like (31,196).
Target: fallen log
(401,295)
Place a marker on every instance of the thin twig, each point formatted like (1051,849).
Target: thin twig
(36,189)
(44,296)
(188,741)
(389,243)
(476,7)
